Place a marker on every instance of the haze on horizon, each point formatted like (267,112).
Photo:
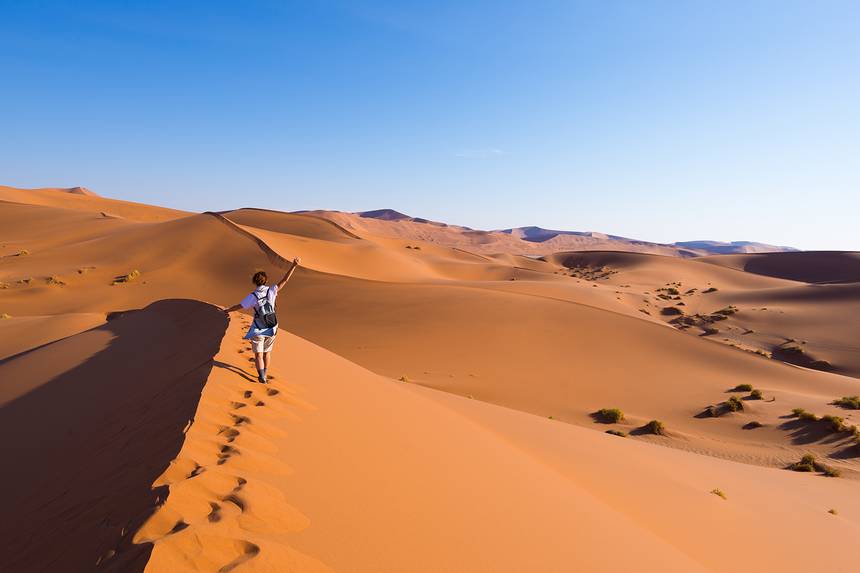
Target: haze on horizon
(663,121)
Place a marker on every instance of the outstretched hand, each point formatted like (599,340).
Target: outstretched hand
(296,261)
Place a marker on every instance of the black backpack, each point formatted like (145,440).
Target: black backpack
(264,313)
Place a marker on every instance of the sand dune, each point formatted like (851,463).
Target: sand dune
(81,199)
(504,469)
(486,242)
(491,489)
(808,267)
(96,418)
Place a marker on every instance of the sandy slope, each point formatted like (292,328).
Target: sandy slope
(81,199)
(340,450)
(89,423)
(369,474)
(19,334)
(487,242)
(809,267)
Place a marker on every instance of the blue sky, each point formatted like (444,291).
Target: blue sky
(660,120)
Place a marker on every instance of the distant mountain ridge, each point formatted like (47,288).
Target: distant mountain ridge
(588,240)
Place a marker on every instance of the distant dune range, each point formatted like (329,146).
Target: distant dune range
(433,389)
(522,240)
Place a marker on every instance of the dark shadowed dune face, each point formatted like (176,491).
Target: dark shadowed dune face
(808,266)
(620,259)
(110,406)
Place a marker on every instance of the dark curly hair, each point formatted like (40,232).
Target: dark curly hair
(260,278)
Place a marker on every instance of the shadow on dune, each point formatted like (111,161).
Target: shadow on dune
(804,432)
(807,266)
(97,418)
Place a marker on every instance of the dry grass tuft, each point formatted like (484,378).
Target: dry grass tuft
(127,278)
(655,427)
(609,415)
(849,402)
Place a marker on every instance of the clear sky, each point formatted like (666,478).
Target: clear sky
(659,120)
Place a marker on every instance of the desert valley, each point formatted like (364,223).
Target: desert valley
(441,398)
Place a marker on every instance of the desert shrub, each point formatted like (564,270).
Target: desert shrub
(756,394)
(655,427)
(714,411)
(618,433)
(734,404)
(804,415)
(610,415)
(710,330)
(718,492)
(742,388)
(127,278)
(710,290)
(4,285)
(806,464)
(404,378)
(850,402)
(23,253)
(54,280)
(835,423)
(831,472)
(832,512)
(752,425)
(727,311)
(4,316)
(671,311)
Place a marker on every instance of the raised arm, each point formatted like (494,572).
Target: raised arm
(290,272)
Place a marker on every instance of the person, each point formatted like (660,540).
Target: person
(262,332)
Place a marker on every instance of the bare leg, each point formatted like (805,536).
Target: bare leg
(266,359)
(258,356)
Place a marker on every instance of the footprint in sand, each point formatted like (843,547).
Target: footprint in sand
(260,403)
(229,433)
(233,497)
(248,393)
(247,551)
(226,453)
(239,420)
(180,525)
(272,392)
(237,405)
(235,500)
(198,469)
(214,513)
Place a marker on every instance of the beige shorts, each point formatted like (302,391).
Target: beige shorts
(261,344)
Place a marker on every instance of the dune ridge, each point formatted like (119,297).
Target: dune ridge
(96,418)
(359,437)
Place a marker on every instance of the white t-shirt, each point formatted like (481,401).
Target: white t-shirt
(252,301)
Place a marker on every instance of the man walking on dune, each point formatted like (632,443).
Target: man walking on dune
(264,328)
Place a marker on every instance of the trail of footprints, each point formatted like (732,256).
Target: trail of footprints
(226,436)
